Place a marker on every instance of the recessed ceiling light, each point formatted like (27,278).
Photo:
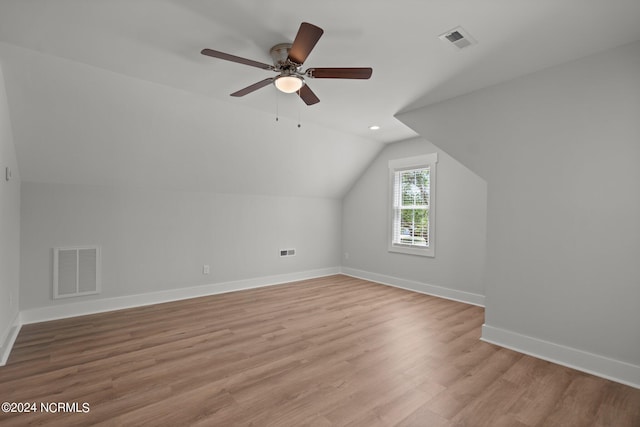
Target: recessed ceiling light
(374,127)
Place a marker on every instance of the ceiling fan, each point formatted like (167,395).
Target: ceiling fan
(287,62)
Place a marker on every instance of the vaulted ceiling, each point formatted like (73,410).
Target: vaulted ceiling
(116,92)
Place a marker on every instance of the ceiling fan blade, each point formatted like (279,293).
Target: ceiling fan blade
(307,37)
(233,58)
(339,73)
(308,96)
(253,87)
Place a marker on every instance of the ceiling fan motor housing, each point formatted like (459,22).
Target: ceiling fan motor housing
(280,55)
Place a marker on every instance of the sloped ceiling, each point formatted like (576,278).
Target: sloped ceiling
(75,123)
(115,92)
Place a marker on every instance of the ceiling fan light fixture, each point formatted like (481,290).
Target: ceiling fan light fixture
(287,63)
(289,84)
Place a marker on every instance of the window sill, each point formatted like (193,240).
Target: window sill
(412,250)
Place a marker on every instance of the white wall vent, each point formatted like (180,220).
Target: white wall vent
(287,252)
(76,271)
(458,37)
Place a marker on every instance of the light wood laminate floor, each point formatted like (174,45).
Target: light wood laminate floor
(333,351)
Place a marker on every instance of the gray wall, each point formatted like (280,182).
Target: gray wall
(460,235)
(155,240)
(9,222)
(560,151)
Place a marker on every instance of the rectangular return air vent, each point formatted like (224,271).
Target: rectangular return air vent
(287,252)
(458,37)
(76,271)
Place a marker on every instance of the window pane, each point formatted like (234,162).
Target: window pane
(415,187)
(414,227)
(411,226)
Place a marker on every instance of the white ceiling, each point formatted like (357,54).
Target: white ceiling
(117,92)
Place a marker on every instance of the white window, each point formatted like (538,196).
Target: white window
(412,198)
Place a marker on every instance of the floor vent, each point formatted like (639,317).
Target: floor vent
(76,271)
(458,37)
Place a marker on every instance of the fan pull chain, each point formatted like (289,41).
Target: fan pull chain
(299,111)
(277,113)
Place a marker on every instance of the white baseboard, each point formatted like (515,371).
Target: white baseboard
(9,339)
(411,285)
(65,310)
(590,363)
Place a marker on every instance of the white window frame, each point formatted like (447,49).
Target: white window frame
(409,163)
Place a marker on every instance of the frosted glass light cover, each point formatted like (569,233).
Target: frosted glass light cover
(289,84)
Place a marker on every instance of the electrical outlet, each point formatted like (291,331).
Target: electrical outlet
(346,255)
(206,269)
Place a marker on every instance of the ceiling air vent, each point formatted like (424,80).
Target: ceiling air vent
(458,37)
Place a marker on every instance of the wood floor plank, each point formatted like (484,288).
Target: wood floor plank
(333,351)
